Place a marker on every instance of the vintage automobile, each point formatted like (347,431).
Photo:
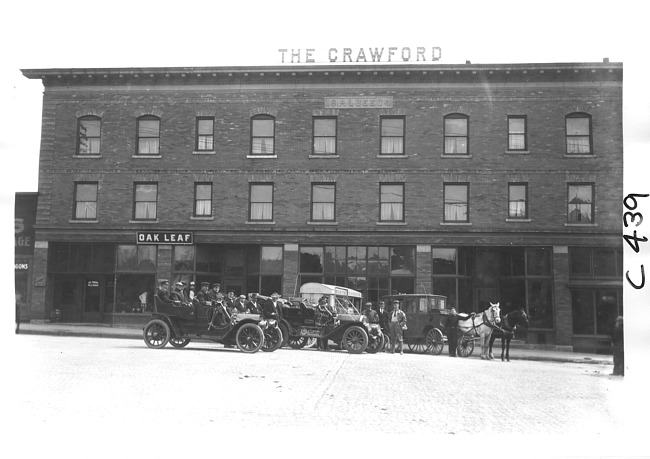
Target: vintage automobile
(427,317)
(178,324)
(341,322)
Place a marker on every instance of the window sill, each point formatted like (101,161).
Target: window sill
(391,223)
(579,156)
(391,156)
(207,218)
(517,152)
(456,156)
(585,225)
(259,223)
(204,152)
(83,221)
(261,156)
(323,156)
(455,224)
(87,156)
(316,223)
(518,220)
(147,156)
(144,221)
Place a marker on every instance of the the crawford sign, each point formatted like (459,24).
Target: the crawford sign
(361,55)
(165,237)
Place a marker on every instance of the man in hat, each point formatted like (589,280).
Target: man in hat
(326,316)
(240,303)
(177,294)
(216,287)
(397,321)
(230,301)
(162,292)
(252,306)
(371,314)
(203,296)
(277,304)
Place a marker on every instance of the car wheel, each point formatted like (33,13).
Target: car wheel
(285,334)
(249,338)
(375,345)
(156,334)
(297,342)
(355,340)
(465,347)
(272,340)
(179,342)
(435,341)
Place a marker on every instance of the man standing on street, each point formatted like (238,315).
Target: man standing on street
(451,330)
(397,321)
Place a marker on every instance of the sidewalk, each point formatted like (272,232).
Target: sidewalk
(517,351)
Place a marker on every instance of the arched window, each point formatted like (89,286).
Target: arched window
(148,135)
(578,134)
(89,133)
(263,135)
(456,134)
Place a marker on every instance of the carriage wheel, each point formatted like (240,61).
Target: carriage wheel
(297,342)
(272,340)
(465,346)
(179,342)
(435,341)
(375,345)
(156,334)
(249,338)
(418,346)
(355,340)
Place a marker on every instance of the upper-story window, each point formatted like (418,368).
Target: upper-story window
(323,201)
(580,200)
(518,200)
(324,136)
(392,135)
(517,134)
(202,199)
(263,135)
(89,135)
(261,202)
(456,135)
(578,134)
(456,199)
(145,200)
(148,135)
(391,202)
(85,201)
(205,134)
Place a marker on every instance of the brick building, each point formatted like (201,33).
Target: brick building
(479,182)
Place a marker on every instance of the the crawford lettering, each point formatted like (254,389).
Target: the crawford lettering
(361,55)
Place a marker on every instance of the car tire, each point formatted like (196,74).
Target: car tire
(249,338)
(355,340)
(156,334)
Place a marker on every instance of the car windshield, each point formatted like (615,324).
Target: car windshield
(345,306)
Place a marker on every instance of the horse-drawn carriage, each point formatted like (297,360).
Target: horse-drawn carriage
(178,324)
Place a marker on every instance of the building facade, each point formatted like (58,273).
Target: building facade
(479,182)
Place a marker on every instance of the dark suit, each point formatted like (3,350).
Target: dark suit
(164,296)
(451,330)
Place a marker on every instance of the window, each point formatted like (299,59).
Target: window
(518,200)
(262,135)
(595,310)
(145,199)
(580,203)
(391,202)
(261,202)
(456,135)
(148,135)
(578,134)
(89,135)
(595,263)
(85,201)
(324,136)
(202,199)
(205,134)
(323,201)
(392,135)
(517,133)
(456,199)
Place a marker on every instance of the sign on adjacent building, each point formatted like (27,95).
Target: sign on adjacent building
(165,237)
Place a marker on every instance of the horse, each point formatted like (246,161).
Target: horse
(509,324)
(482,326)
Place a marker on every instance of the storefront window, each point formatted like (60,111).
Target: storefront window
(512,295)
(539,261)
(540,304)
(183,258)
(272,260)
(378,260)
(402,261)
(357,260)
(311,259)
(135,279)
(335,260)
(209,258)
(595,310)
(444,261)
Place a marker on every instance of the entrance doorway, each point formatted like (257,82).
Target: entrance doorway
(92,300)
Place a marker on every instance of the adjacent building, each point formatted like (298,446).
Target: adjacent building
(498,182)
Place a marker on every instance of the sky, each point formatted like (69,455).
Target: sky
(73,34)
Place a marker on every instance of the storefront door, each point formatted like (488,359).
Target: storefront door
(93,287)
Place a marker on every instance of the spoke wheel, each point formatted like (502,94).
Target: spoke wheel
(179,342)
(465,346)
(375,345)
(272,339)
(249,338)
(355,340)
(435,341)
(297,342)
(156,334)
(418,346)
(285,334)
